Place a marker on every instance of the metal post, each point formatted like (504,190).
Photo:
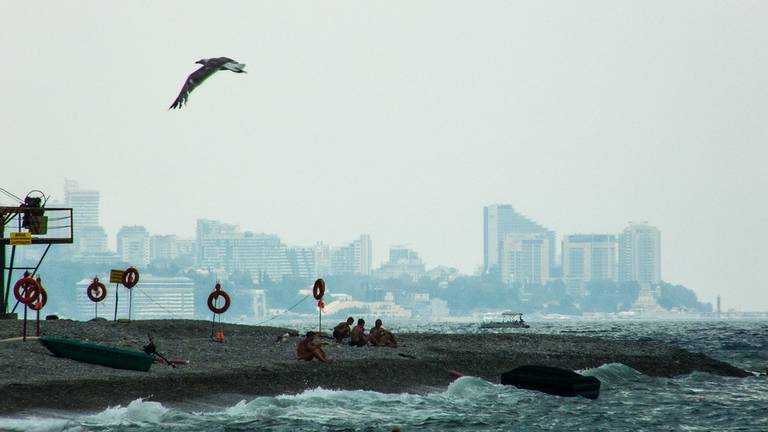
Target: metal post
(3,295)
(41,259)
(24,335)
(130,303)
(10,278)
(117,297)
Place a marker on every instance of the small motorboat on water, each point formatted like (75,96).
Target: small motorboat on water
(508,319)
(98,354)
(552,380)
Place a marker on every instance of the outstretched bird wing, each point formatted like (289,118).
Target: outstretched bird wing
(193,80)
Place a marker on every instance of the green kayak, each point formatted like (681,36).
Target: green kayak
(98,354)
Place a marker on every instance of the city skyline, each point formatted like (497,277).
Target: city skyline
(515,246)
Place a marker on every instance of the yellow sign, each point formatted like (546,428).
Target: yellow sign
(116,276)
(21,238)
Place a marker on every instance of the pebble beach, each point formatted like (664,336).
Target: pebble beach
(260,361)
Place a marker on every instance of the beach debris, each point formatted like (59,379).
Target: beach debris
(151,348)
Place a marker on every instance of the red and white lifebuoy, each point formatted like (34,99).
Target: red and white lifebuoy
(41,300)
(130,277)
(218,292)
(318,291)
(96,291)
(26,290)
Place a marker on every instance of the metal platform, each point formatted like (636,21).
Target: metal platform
(26,227)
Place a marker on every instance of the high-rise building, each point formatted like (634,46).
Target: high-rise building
(211,229)
(499,220)
(323,259)
(222,247)
(302,260)
(640,254)
(590,257)
(133,245)
(354,258)
(524,258)
(85,218)
(364,253)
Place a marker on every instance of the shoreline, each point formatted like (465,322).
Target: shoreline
(257,361)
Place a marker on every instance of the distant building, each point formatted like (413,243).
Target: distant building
(354,258)
(258,300)
(525,258)
(133,245)
(322,259)
(303,264)
(87,232)
(443,273)
(163,247)
(403,261)
(590,257)
(91,240)
(640,254)
(154,297)
(223,248)
(210,230)
(499,220)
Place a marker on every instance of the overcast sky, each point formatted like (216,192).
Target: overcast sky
(403,119)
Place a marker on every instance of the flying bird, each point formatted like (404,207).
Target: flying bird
(208,68)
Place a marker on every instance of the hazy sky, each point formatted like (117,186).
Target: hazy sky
(403,119)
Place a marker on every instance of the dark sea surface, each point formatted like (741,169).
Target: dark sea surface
(628,400)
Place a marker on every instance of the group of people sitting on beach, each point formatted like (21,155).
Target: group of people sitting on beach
(308,349)
(378,336)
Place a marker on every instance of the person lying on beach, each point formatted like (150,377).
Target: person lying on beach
(358,337)
(343,329)
(381,337)
(308,349)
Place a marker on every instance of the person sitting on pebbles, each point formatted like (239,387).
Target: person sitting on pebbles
(343,329)
(358,337)
(308,349)
(381,337)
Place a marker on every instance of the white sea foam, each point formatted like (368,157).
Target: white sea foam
(37,424)
(138,411)
(614,374)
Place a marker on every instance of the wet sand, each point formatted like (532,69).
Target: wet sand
(255,361)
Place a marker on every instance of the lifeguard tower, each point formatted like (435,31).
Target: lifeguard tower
(30,223)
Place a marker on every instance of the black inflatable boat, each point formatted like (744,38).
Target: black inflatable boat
(552,380)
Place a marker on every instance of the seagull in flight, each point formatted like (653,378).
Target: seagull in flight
(209,67)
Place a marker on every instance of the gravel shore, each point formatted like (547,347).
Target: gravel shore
(257,361)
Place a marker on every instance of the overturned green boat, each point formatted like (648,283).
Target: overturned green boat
(98,354)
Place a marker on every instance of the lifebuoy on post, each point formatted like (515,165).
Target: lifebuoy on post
(318,291)
(130,277)
(26,290)
(96,291)
(41,301)
(218,292)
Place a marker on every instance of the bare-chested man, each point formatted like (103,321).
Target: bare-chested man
(343,329)
(381,337)
(308,349)
(358,337)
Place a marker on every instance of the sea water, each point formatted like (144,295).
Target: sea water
(628,399)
